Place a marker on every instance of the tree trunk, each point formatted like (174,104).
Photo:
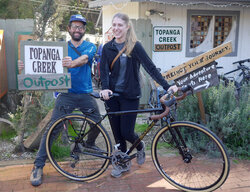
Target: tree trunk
(26,101)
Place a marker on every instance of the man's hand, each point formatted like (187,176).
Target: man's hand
(67,62)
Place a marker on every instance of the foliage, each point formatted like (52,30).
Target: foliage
(7,135)
(189,110)
(49,14)
(140,128)
(45,14)
(15,9)
(41,103)
(59,150)
(79,7)
(227,116)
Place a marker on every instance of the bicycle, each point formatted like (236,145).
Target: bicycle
(242,78)
(192,159)
(96,71)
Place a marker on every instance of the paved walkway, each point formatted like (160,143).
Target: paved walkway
(145,178)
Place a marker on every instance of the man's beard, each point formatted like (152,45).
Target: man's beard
(76,38)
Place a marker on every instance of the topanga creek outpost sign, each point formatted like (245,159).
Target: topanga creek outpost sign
(167,38)
(43,68)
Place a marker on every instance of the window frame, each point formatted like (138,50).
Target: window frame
(213,13)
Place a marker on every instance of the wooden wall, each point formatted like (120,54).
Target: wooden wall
(3,67)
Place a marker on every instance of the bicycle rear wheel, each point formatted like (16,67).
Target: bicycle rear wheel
(204,165)
(69,153)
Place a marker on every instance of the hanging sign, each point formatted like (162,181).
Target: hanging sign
(201,78)
(167,39)
(43,68)
(199,72)
(198,61)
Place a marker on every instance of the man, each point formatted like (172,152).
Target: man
(78,63)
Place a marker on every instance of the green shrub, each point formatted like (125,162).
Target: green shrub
(60,151)
(41,103)
(7,135)
(140,128)
(226,116)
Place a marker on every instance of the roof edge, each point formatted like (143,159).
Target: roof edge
(213,3)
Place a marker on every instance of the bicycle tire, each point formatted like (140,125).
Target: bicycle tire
(207,170)
(70,155)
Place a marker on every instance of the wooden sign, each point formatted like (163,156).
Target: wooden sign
(43,68)
(198,61)
(201,78)
(3,67)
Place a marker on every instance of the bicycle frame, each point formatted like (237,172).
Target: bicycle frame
(175,133)
(150,126)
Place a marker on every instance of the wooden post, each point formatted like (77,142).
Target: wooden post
(201,107)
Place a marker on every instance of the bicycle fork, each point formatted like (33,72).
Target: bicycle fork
(180,144)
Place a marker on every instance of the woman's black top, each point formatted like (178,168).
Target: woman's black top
(138,57)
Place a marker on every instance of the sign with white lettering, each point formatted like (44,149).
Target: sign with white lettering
(198,61)
(167,39)
(201,78)
(43,68)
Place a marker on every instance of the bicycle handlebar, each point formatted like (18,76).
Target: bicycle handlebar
(168,103)
(97,95)
(242,61)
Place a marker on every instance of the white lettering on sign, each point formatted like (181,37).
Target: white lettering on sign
(43,59)
(167,38)
(201,78)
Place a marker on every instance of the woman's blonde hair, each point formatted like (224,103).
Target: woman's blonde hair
(131,36)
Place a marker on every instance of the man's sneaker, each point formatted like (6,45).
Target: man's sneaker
(141,155)
(118,172)
(36,176)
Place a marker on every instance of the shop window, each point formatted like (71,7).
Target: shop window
(209,29)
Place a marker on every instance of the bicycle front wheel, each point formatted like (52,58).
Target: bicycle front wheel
(195,160)
(68,150)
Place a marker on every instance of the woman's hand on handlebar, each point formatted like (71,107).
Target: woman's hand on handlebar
(105,94)
(173,88)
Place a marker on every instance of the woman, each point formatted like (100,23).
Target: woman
(123,78)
